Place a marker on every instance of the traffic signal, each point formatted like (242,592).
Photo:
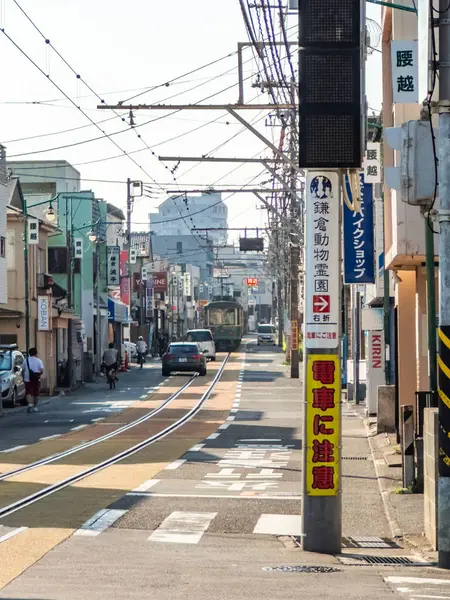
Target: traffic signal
(331,91)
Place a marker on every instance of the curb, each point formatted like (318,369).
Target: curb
(396,531)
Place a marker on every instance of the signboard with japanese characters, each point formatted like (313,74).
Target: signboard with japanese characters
(144,273)
(33,231)
(113,264)
(322,425)
(358,239)
(294,335)
(404,71)
(322,260)
(187,285)
(78,247)
(133,256)
(149,297)
(372,163)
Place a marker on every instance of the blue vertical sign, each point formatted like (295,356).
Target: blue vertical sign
(359,239)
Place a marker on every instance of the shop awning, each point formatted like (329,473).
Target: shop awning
(117,311)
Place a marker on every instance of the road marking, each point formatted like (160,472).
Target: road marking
(146,485)
(14,449)
(59,421)
(224,426)
(236,496)
(417,580)
(175,464)
(233,410)
(100,521)
(98,419)
(260,440)
(182,528)
(12,533)
(279,525)
(144,397)
(196,448)
(49,437)
(78,427)
(213,436)
(231,418)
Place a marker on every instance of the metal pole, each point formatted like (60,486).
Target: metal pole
(129,210)
(444,295)
(69,290)
(431,306)
(294,260)
(27,282)
(387,330)
(356,341)
(98,316)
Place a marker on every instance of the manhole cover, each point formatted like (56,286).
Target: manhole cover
(357,560)
(368,541)
(302,569)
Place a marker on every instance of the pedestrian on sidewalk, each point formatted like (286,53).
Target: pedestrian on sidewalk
(32,373)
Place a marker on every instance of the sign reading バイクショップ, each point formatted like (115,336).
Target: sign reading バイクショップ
(322,260)
(322,425)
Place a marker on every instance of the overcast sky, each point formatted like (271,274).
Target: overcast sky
(121,49)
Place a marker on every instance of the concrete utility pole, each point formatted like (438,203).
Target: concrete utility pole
(444,292)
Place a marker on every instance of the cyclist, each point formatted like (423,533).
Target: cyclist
(110,357)
(141,348)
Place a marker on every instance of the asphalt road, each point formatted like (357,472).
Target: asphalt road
(89,403)
(220,519)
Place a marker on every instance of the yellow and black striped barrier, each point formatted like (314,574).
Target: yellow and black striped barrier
(444,400)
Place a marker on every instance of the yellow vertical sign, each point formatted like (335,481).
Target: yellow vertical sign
(322,424)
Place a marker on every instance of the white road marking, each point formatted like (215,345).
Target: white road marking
(233,410)
(260,440)
(416,580)
(146,485)
(14,449)
(213,436)
(12,533)
(196,448)
(78,427)
(144,397)
(238,497)
(175,464)
(100,521)
(279,525)
(224,426)
(231,418)
(98,419)
(59,421)
(50,437)
(182,528)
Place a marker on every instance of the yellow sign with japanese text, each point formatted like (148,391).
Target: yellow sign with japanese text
(323,410)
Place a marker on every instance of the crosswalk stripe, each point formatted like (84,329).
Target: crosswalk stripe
(182,528)
(12,533)
(175,464)
(146,485)
(100,521)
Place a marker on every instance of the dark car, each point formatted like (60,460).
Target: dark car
(183,357)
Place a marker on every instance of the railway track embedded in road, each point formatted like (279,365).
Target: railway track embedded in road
(52,489)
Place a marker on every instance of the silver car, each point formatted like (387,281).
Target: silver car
(11,375)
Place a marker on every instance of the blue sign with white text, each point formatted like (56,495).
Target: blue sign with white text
(359,239)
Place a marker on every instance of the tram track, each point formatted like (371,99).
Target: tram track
(64,483)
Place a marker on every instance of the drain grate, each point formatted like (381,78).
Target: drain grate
(302,569)
(359,560)
(355,458)
(368,541)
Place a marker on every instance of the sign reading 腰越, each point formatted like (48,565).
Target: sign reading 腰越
(322,425)
(33,231)
(372,163)
(358,239)
(404,71)
(322,260)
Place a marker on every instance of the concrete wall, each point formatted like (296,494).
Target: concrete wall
(430,453)
(405,299)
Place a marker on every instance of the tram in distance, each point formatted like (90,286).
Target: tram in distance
(225,319)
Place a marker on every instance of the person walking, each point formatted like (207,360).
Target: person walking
(32,373)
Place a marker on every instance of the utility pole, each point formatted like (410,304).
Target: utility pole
(27,277)
(444,295)
(98,336)
(69,268)
(356,340)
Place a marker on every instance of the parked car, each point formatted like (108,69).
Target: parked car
(205,341)
(183,356)
(266,335)
(11,375)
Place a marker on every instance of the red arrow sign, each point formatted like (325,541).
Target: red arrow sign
(321,303)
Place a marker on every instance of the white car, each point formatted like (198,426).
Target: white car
(130,347)
(205,341)
(266,335)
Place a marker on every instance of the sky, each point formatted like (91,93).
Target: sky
(120,50)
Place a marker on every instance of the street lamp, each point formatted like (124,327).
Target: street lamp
(92,236)
(51,214)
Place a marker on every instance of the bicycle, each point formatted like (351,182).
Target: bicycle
(111,378)
(141,359)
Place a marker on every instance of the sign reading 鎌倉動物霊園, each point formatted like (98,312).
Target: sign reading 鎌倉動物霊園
(359,239)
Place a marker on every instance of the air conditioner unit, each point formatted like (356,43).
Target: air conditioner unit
(44,281)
